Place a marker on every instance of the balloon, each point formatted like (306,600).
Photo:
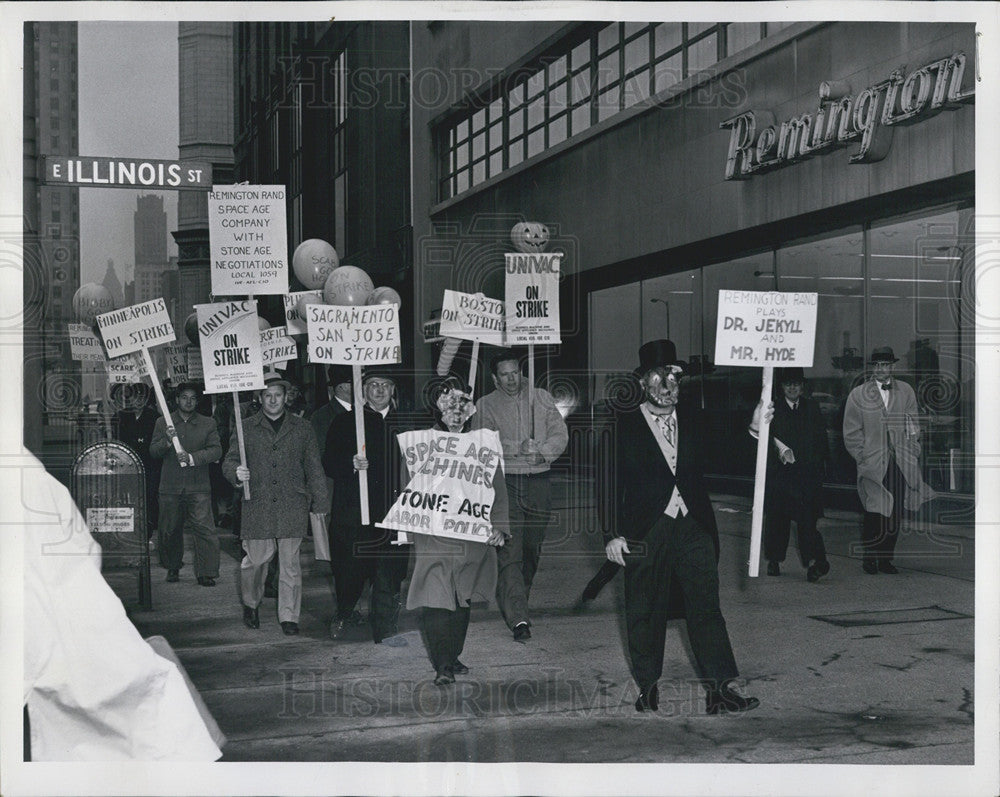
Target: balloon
(347,285)
(263,323)
(90,300)
(304,302)
(312,262)
(191,328)
(384,295)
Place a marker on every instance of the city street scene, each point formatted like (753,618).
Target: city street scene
(446,401)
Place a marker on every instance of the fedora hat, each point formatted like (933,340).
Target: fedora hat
(660,353)
(883,354)
(274,379)
(338,374)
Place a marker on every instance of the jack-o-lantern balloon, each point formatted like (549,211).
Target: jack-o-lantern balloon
(312,262)
(347,285)
(530,237)
(384,295)
(191,328)
(90,301)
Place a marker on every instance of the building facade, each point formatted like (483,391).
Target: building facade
(673,160)
(150,226)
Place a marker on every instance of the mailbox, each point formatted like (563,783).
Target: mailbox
(109,486)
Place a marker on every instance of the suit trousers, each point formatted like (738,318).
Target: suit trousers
(512,597)
(676,549)
(253,571)
(878,532)
(195,511)
(444,631)
(530,511)
(777,529)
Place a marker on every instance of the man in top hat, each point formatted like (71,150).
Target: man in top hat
(882,434)
(795,465)
(666,537)
(185,486)
(286,486)
(360,552)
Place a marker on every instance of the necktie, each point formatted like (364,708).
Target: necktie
(669,428)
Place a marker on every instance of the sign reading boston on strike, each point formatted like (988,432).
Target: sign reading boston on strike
(136,327)
(349,335)
(230,346)
(450,493)
(246,228)
(761,328)
(531,294)
(474,317)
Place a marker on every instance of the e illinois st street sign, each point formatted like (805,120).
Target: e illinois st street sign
(113,172)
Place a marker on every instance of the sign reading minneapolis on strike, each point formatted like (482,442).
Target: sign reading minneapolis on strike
(450,493)
(531,293)
(136,327)
(468,316)
(230,346)
(765,328)
(249,245)
(348,335)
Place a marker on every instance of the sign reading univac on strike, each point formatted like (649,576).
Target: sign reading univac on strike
(230,346)
(348,335)
(531,296)
(765,328)
(249,245)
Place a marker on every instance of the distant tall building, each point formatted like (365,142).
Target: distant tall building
(150,223)
(113,284)
(205,52)
(51,229)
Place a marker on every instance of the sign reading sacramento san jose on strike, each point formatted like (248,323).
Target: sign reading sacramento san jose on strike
(765,328)
(468,316)
(246,228)
(531,295)
(230,346)
(136,327)
(348,335)
(450,493)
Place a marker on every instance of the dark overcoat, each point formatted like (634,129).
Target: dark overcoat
(797,488)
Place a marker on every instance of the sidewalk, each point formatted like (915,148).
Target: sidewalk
(853,669)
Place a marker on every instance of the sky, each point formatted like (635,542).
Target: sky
(128,99)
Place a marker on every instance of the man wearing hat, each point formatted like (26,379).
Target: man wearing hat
(286,486)
(360,553)
(882,434)
(134,424)
(666,537)
(795,464)
(185,486)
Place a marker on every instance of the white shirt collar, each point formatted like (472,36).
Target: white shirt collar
(345,404)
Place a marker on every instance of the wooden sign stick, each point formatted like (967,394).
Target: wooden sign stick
(162,402)
(763,438)
(531,387)
(359,433)
(238,415)
(474,365)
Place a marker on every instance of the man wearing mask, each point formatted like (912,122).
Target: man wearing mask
(533,435)
(185,486)
(286,485)
(359,552)
(882,434)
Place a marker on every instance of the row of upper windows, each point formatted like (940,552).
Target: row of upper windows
(615,67)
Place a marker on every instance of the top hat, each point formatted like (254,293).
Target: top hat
(791,374)
(274,379)
(656,354)
(883,354)
(338,374)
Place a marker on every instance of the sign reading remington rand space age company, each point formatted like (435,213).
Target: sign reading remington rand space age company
(758,144)
(112,172)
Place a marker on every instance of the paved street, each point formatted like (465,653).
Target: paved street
(855,669)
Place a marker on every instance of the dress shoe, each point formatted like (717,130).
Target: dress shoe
(444,677)
(817,570)
(648,700)
(773,569)
(270,592)
(728,701)
(885,566)
(458,668)
(173,576)
(870,566)
(338,628)
(522,633)
(289,628)
(206,581)
(251,618)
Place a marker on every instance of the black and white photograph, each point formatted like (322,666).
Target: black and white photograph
(500,398)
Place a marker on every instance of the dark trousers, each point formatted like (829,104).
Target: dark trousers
(676,549)
(530,512)
(777,529)
(444,631)
(195,511)
(878,532)
(512,598)
(363,553)
(607,571)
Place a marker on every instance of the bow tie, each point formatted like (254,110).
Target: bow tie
(886,386)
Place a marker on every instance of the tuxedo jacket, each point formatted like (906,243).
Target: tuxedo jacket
(644,482)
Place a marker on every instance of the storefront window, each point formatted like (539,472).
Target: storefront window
(615,337)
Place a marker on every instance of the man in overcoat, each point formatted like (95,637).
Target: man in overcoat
(666,538)
(286,485)
(882,434)
(795,464)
